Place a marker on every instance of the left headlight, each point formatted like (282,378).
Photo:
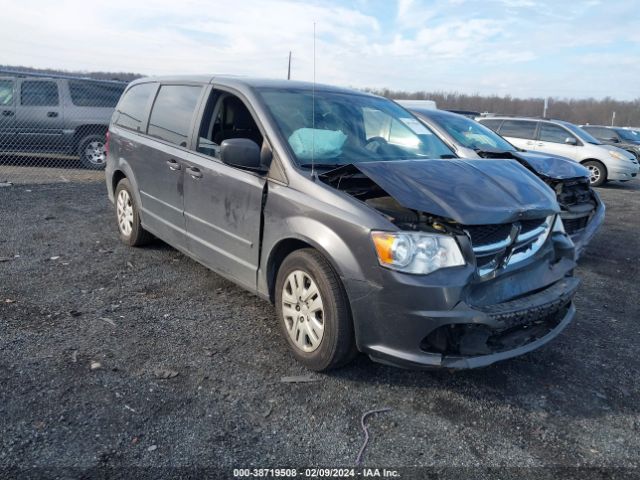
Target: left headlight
(416,252)
(618,155)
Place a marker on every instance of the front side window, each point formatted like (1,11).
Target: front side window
(553,133)
(172,113)
(518,129)
(334,128)
(133,105)
(492,124)
(93,94)
(38,93)
(471,134)
(226,117)
(6,92)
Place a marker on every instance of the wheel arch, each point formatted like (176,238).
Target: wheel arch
(88,129)
(344,266)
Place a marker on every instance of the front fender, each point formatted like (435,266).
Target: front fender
(335,248)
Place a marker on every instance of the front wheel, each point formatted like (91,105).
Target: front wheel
(92,151)
(313,311)
(597,172)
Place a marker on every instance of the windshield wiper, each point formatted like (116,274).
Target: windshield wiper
(448,155)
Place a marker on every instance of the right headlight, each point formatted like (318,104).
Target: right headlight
(416,252)
(618,155)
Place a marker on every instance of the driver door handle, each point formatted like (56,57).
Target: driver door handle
(194,172)
(52,114)
(173,165)
(8,113)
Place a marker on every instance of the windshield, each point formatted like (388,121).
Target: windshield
(472,134)
(582,134)
(342,128)
(629,135)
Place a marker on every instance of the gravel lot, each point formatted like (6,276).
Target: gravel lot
(76,296)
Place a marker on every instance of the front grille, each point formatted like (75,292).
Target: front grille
(573,225)
(496,246)
(487,234)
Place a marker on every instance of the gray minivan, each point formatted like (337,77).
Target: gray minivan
(44,115)
(348,214)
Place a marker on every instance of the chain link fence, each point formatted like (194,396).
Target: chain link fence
(53,127)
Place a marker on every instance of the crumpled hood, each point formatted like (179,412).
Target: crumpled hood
(468,191)
(552,166)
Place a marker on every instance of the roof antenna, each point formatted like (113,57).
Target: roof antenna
(313,107)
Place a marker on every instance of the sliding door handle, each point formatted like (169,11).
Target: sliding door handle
(194,172)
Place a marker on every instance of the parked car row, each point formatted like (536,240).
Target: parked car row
(605,162)
(42,115)
(582,210)
(420,241)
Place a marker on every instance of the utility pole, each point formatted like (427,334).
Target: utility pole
(613,119)
(289,69)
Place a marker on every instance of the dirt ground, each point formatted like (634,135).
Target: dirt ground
(118,358)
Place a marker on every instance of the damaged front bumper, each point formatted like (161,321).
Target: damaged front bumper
(583,237)
(473,332)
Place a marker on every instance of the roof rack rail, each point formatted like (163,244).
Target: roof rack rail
(22,74)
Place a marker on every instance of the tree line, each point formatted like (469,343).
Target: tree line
(578,111)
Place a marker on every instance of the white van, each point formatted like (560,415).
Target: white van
(556,137)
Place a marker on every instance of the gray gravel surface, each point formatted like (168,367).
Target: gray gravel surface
(187,367)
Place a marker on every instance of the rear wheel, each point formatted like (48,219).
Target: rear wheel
(128,216)
(92,151)
(313,311)
(597,172)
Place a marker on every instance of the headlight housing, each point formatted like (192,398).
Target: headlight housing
(417,252)
(618,155)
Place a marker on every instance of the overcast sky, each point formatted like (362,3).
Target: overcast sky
(573,48)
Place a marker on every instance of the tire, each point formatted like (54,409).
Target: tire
(92,153)
(300,321)
(597,172)
(128,216)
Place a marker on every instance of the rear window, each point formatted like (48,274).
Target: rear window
(518,129)
(39,93)
(133,105)
(92,94)
(172,112)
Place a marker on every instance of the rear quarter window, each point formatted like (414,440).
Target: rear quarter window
(92,94)
(518,129)
(172,113)
(133,105)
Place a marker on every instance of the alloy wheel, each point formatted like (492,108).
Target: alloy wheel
(96,153)
(303,311)
(124,210)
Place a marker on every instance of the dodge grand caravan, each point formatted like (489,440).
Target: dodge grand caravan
(582,210)
(605,162)
(349,215)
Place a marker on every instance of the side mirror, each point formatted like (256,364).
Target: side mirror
(570,141)
(241,152)
(613,140)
